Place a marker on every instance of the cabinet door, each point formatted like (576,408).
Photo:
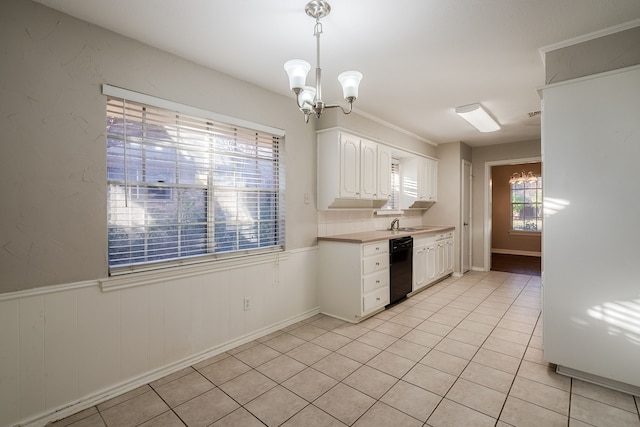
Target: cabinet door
(419,266)
(449,255)
(368,169)
(430,271)
(384,173)
(440,258)
(423,180)
(432,180)
(349,166)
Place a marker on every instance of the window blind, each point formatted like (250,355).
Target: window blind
(394,199)
(182,186)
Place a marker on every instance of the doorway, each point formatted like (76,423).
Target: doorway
(506,246)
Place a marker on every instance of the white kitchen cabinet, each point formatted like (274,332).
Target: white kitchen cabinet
(424,260)
(354,279)
(431,184)
(440,258)
(368,168)
(349,167)
(383,174)
(419,182)
(432,258)
(449,263)
(352,172)
(419,266)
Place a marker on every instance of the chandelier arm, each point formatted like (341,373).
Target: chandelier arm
(344,110)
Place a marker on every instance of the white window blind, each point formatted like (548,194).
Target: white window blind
(394,199)
(181,186)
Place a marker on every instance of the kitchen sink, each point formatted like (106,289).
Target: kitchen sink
(421,227)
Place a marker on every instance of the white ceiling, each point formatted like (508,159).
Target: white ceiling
(420,58)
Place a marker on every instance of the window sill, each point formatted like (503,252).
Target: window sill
(142,278)
(525,233)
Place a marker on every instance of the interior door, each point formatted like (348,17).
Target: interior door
(465,238)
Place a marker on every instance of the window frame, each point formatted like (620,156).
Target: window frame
(538,205)
(209,188)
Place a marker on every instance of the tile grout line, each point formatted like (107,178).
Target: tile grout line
(497,419)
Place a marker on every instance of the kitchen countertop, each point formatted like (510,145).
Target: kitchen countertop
(378,235)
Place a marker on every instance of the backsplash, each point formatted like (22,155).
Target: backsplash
(354,221)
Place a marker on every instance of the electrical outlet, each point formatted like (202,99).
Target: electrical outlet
(247,303)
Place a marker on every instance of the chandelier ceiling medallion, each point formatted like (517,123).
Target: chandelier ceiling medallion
(309,98)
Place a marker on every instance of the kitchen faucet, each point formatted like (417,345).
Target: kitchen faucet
(396,223)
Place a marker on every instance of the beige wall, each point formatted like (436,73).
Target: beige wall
(447,210)
(480,157)
(501,237)
(52,128)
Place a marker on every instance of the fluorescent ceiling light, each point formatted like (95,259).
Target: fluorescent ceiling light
(478,117)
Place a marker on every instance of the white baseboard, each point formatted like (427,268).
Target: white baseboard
(515,252)
(595,379)
(103,395)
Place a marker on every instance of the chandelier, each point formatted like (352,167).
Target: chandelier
(522,178)
(309,98)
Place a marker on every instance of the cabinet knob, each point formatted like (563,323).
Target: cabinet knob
(377,281)
(377,263)
(378,299)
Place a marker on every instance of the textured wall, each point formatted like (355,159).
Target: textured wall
(52,128)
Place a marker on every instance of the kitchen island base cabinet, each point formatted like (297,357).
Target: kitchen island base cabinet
(353,279)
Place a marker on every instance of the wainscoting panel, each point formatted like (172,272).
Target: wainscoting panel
(65,348)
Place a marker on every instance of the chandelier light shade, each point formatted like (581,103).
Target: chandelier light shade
(478,117)
(297,70)
(522,178)
(309,98)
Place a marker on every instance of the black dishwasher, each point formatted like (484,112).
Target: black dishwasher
(400,268)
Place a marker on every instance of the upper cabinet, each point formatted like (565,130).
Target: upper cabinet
(352,172)
(418,182)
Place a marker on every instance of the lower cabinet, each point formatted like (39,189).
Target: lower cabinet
(353,279)
(432,258)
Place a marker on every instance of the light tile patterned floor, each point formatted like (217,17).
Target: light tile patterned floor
(465,352)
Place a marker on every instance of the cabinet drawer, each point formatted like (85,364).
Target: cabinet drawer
(375,248)
(376,299)
(375,281)
(375,263)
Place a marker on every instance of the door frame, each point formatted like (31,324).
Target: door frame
(465,245)
(488,208)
